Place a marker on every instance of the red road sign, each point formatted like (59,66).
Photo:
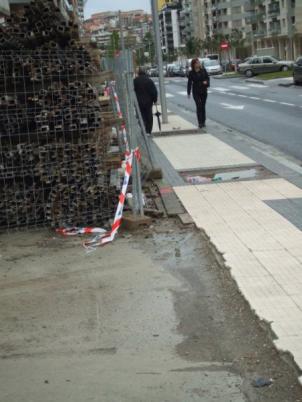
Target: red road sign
(224,46)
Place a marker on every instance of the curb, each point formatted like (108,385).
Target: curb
(215,77)
(255,81)
(176,132)
(291,84)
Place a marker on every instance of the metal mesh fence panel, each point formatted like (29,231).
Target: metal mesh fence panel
(55,164)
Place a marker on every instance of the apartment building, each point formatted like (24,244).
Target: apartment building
(198,20)
(277,25)
(223,16)
(186,21)
(169,25)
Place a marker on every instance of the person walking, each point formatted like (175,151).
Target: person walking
(200,81)
(146,94)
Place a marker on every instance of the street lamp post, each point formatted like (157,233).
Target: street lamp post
(159,57)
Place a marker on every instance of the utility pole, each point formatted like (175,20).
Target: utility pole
(159,56)
(121,31)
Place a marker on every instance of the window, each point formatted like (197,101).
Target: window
(255,60)
(267,60)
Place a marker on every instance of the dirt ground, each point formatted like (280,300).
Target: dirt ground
(151,317)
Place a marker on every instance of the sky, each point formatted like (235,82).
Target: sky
(94,6)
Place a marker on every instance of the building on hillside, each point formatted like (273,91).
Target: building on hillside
(136,23)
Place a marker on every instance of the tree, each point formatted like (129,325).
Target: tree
(193,47)
(114,44)
(149,47)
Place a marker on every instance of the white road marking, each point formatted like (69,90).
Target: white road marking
(254,97)
(234,107)
(169,95)
(242,96)
(221,89)
(239,87)
(257,85)
(183,93)
(269,100)
(286,104)
(209,92)
(232,93)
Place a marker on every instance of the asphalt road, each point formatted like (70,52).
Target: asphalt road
(269,113)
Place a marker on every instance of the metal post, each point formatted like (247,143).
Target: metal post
(121,31)
(138,208)
(159,56)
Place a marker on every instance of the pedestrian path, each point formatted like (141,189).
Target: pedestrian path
(254,224)
(187,152)
(260,246)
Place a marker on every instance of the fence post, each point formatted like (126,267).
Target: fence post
(137,194)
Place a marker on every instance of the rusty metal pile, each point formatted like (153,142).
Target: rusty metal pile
(54,142)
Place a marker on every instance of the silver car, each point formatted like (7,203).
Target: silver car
(212,66)
(263,64)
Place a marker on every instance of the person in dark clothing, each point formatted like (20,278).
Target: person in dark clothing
(146,94)
(200,81)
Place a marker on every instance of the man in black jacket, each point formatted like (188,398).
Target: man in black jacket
(146,93)
(200,80)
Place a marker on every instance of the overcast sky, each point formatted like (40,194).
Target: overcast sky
(93,6)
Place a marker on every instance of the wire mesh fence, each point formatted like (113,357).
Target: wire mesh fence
(55,166)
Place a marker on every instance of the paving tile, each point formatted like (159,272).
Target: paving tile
(262,249)
(285,188)
(186,152)
(263,190)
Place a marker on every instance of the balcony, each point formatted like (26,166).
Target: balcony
(273,9)
(254,17)
(275,31)
(259,33)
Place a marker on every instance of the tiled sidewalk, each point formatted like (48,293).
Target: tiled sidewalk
(260,246)
(186,152)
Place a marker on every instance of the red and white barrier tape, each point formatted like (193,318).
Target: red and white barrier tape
(74,231)
(103,237)
(108,237)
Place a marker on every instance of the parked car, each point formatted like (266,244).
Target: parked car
(153,72)
(263,64)
(297,71)
(212,66)
(177,71)
(188,64)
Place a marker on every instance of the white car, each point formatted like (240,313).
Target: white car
(212,66)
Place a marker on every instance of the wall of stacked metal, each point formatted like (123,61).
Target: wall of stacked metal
(54,143)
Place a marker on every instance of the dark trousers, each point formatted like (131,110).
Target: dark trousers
(200,100)
(147,115)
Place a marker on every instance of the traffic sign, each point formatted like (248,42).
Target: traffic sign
(224,45)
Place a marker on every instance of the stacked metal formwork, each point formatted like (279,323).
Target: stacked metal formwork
(54,142)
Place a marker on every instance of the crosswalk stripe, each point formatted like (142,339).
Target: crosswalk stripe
(183,93)
(257,85)
(169,95)
(287,104)
(239,87)
(221,89)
